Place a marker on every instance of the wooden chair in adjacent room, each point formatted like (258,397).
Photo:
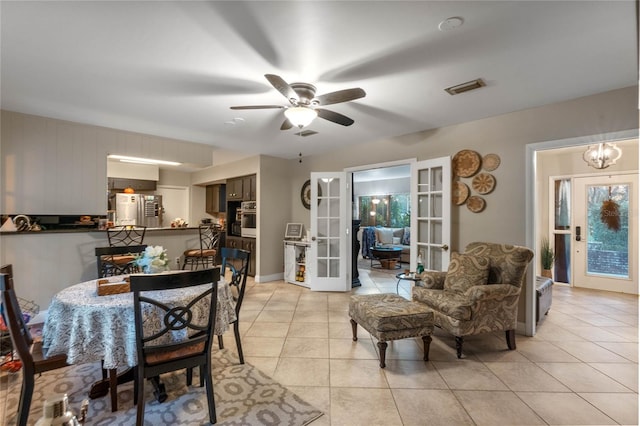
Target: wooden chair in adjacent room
(29,351)
(193,351)
(238,263)
(206,254)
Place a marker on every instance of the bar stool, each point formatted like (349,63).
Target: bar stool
(206,254)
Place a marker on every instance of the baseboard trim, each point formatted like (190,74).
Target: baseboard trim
(269,278)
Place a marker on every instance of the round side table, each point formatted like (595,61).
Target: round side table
(407,277)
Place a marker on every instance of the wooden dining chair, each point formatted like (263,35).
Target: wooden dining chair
(29,352)
(206,254)
(237,261)
(157,352)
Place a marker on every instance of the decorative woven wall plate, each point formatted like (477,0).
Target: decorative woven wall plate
(466,163)
(475,204)
(483,183)
(490,162)
(460,193)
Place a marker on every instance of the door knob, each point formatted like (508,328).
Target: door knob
(313,238)
(444,247)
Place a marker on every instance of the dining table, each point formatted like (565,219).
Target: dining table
(88,328)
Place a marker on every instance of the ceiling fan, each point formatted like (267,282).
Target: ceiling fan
(305,103)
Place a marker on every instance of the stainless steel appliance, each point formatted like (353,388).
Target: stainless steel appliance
(139,209)
(249,219)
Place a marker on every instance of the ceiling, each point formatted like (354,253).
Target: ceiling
(173,69)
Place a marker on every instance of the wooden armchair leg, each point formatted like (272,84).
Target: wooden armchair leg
(459,346)
(511,339)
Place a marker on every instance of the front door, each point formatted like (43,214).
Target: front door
(605,242)
(329,232)
(431,213)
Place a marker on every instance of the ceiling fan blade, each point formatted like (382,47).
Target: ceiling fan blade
(286,125)
(340,96)
(257,107)
(282,87)
(334,116)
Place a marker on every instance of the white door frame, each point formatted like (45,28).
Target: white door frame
(532,204)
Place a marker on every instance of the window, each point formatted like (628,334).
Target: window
(385,210)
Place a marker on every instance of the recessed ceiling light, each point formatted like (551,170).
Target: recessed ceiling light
(450,23)
(229,123)
(238,120)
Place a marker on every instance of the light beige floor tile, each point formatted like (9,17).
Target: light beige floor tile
(312,305)
(493,408)
(338,330)
(468,374)
(268,329)
(403,349)
(338,316)
(581,377)
(310,316)
(302,372)
(595,334)
(629,333)
(589,352)
(280,305)
(621,407)
(309,330)
(260,346)
(357,373)
(626,373)
(319,397)
(248,316)
(348,349)
(525,377)
(626,350)
(428,406)
(300,347)
(564,409)
(538,350)
(265,364)
(554,333)
(358,406)
(275,316)
(253,305)
(413,375)
(599,320)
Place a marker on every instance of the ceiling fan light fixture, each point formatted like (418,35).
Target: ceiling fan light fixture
(300,116)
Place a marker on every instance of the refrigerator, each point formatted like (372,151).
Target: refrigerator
(139,210)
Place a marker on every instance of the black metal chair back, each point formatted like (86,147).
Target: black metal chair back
(156,322)
(30,353)
(117,260)
(126,235)
(237,261)
(206,255)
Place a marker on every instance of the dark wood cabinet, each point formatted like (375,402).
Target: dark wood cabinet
(249,188)
(248,244)
(241,188)
(215,199)
(234,189)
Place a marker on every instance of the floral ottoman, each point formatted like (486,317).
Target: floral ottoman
(391,317)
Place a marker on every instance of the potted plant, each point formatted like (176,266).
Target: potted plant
(547,258)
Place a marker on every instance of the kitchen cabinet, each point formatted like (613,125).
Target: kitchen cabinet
(248,244)
(234,189)
(296,270)
(249,188)
(136,184)
(242,188)
(215,199)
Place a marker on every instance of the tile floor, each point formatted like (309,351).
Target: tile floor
(580,369)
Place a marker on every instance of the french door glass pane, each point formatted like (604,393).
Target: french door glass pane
(608,230)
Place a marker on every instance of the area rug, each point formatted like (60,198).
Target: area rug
(243,396)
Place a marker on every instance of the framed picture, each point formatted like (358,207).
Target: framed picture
(294,231)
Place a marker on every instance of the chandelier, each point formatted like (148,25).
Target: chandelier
(602,155)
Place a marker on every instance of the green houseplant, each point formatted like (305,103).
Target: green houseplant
(547,258)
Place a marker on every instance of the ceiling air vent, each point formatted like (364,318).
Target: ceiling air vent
(307,133)
(465,87)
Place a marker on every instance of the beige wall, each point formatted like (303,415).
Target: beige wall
(507,135)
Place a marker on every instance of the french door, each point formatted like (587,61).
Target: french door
(329,232)
(605,234)
(431,213)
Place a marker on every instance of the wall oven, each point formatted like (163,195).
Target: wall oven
(249,219)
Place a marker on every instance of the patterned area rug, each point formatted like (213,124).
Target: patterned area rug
(243,396)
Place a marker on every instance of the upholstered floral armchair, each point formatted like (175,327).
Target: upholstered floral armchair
(479,293)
